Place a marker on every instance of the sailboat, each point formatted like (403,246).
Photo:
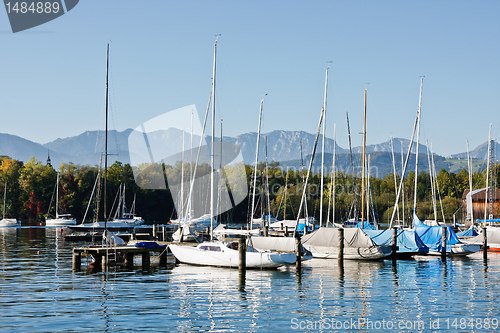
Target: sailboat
(7,222)
(219,253)
(121,214)
(60,219)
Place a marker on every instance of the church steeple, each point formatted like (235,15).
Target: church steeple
(48,158)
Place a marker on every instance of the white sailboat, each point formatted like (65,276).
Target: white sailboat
(7,222)
(121,214)
(225,254)
(60,219)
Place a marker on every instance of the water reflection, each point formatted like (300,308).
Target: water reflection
(40,293)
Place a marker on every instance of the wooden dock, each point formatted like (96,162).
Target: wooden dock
(120,255)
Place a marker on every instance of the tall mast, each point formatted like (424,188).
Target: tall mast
(255,169)
(487,178)
(418,136)
(352,165)
(332,182)
(433,188)
(106,143)
(395,178)
(188,214)
(212,162)
(323,153)
(469,165)
(182,178)
(4,197)
(267,191)
(403,188)
(364,167)
(57,196)
(307,177)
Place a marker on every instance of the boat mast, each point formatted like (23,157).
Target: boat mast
(212,162)
(4,197)
(487,178)
(57,196)
(323,153)
(394,171)
(364,167)
(106,142)
(418,136)
(267,192)
(433,188)
(352,166)
(437,184)
(469,165)
(332,182)
(307,177)
(255,168)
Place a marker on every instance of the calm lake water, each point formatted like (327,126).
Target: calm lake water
(41,293)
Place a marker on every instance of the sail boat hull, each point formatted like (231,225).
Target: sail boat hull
(223,254)
(9,223)
(60,221)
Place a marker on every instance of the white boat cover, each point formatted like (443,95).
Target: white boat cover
(279,244)
(493,237)
(324,243)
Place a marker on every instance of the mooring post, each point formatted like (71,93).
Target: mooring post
(163,258)
(242,267)
(341,247)
(77,260)
(485,244)
(154,232)
(265,231)
(164,238)
(298,252)
(286,231)
(146,260)
(443,243)
(181,237)
(394,243)
(129,259)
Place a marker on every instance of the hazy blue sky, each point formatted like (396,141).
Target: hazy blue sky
(52,77)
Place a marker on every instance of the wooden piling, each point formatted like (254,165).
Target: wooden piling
(394,243)
(163,258)
(443,243)
(286,231)
(485,244)
(242,248)
(129,259)
(181,237)
(154,232)
(77,260)
(265,231)
(146,260)
(341,247)
(298,252)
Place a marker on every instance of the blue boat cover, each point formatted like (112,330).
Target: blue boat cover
(366,226)
(467,233)
(151,245)
(431,236)
(407,241)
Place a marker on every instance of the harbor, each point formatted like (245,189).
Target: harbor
(41,292)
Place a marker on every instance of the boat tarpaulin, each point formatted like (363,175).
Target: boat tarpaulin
(471,232)
(280,244)
(492,233)
(407,240)
(431,236)
(365,225)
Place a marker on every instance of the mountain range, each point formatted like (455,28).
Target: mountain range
(282,146)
